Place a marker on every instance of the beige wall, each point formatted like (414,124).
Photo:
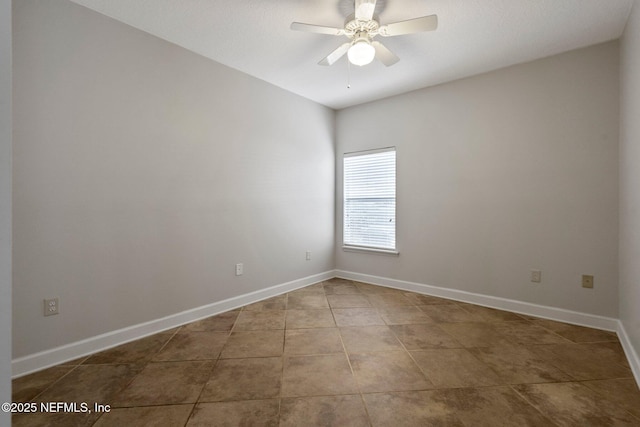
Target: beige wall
(499,174)
(630,179)
(5,207)
(143,173)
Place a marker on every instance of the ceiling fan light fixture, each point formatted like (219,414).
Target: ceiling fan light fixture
(361,28)
(361,53)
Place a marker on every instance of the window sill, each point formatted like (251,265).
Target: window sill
(364,249)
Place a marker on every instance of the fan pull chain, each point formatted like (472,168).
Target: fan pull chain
(348,74)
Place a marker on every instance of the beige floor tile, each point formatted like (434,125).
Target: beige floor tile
(357,317)
(389,300)
(586,361)
(307,301)
(138,351)
(573,404)
(519,364)
(244,379)
(448,313)
(219,322)
(193,346)
(340,289)
(348,301)
(624,393)
(419,299)
(578,334)
(312,341)
(91,383)
(403,315)
(299,319)
(611,351)
(476,334)
(338,281)
(169,416)
(330,411)
(487,314)
(457,367)
(369,289)
(317,376)
(80,360)
(387,371)
(260,320)
(424,336)
(26,388)
(528,317)
(275,303)
(369,338)
(526,332)
(492,406)
(317,290)
(44,419)
(466,365)
(164,383)
(243,344)
(318,286)
(253,413)
(410,409)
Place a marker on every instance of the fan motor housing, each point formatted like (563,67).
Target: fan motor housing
(354,26)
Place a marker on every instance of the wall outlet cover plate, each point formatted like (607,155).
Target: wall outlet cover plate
(51,306)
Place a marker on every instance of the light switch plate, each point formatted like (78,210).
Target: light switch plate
(536,276)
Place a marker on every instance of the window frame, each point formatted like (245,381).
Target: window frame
(350,247)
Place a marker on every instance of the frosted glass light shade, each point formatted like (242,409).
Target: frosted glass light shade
(361,53)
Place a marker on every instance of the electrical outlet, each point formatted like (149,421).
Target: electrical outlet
(536,276)
(587,281)
(51,306)
(308,255)
(239,269)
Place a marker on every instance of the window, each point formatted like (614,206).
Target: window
(369,200)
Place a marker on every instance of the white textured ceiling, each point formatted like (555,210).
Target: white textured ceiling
(473,36)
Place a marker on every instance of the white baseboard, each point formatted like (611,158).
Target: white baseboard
(38,361)
(630,352)
(552,313)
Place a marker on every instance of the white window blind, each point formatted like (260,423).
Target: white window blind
(370,199)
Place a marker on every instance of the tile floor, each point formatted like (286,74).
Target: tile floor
(343,353)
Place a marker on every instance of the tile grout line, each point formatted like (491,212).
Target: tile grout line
(284,343)
(204,384)
(632,379)
(572,379)
(425,376)
(346,354)
(56,381)
(524,398)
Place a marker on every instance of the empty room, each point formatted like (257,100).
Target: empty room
(320,212)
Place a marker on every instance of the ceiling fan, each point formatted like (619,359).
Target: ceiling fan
(361,27)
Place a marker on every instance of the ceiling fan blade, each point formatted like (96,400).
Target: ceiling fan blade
(320,29)
(384,55)
(364,9)
(335,55)
(410,26)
